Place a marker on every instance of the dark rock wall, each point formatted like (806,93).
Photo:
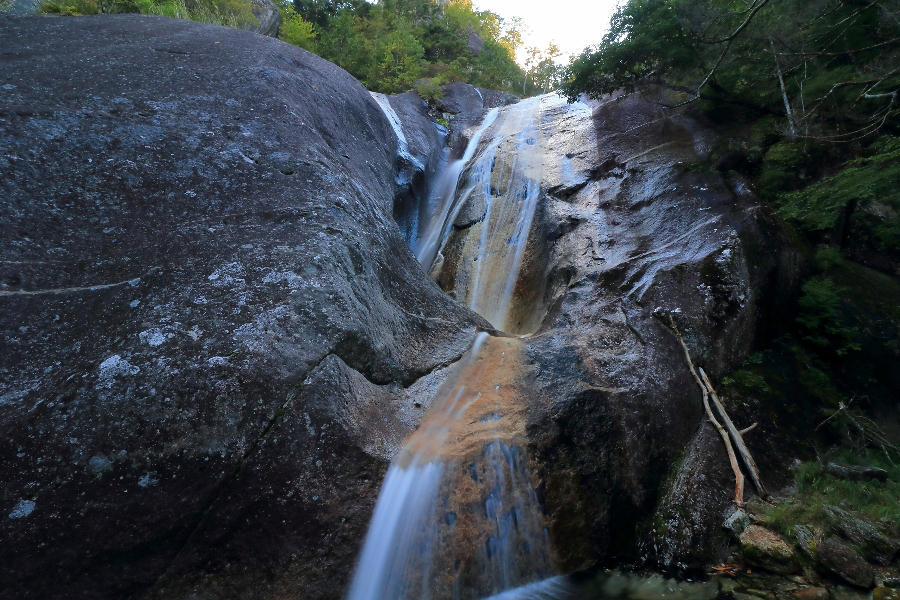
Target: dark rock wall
(211,328)
(425,142)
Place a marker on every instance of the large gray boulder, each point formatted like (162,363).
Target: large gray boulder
(212,330)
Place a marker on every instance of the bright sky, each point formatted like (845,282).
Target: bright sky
(572,24)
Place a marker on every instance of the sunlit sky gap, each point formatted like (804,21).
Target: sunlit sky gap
(572,24)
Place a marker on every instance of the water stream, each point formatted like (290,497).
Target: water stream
(457,515)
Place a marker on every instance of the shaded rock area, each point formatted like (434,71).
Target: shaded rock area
(213,332)
(844,561)
(464,105)
(627,232)
(635,235)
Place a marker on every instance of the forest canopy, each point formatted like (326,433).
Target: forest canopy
(830,69)
(393,45)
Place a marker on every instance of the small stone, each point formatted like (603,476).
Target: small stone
(99,464)
(737,522)
(885,593)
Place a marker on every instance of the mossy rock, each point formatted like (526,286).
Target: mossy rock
(766,549)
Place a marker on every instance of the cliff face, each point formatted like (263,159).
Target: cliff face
(215,335)
(209,317)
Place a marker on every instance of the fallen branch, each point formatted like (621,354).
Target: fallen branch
(737,438)
(738,476)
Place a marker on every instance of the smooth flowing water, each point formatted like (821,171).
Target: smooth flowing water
(457,515)
(442,199)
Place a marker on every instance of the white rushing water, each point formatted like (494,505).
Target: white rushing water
(396,554)
(457,516)
(510,202)
(394,540)
(442,199)
(397,126)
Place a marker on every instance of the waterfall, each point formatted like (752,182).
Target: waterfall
(504,184)
(442,199)
(457,515)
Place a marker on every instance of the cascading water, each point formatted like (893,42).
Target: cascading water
(457,516)
(441,201)
(501,196)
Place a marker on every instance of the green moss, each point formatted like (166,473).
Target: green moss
(429,88)
(783,167)
(866,187)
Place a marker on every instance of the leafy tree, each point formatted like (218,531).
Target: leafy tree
(829,67)
(320,12)
(397,62)
(295,29)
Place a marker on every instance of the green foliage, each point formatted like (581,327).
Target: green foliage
(822,316)
(429,88)
(231,13)
(831,62)
(398,62)
(294,29)
(645,38)
(856,187)
(391,44)
(782,167)
(875,500)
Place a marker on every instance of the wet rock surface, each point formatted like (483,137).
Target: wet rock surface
(628,232)
(213,332)
(464,105)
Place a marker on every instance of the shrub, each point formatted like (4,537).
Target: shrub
(429,88)
(821,315)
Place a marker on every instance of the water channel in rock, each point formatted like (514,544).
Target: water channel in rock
(458,515)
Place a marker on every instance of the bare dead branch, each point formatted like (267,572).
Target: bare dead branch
(737,438)
(844,52)
(735,467)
